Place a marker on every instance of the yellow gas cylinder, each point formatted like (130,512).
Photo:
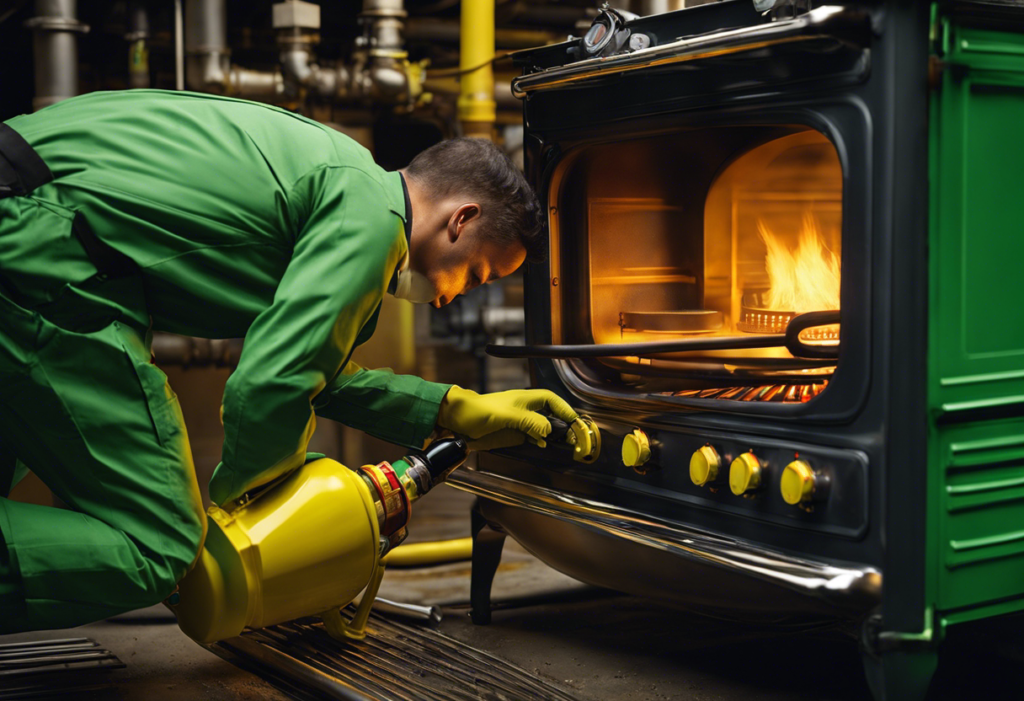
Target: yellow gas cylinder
(306,545)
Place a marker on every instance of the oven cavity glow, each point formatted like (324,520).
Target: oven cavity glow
(773,235)
(724,234)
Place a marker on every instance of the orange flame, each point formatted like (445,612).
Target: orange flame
(801,280)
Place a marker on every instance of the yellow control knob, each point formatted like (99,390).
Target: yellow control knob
(704,464)
(636,449)
(744,474)
(797,482)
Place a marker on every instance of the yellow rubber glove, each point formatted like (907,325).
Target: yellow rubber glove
(501,419)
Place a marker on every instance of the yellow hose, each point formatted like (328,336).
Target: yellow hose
(425,554)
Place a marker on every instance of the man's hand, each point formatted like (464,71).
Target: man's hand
(501,419)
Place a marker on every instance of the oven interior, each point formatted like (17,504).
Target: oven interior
(724,233)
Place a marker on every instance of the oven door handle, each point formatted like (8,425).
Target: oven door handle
(789,340)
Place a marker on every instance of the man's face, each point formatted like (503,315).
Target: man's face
(459,256)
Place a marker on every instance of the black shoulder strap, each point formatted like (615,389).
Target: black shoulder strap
(21,168)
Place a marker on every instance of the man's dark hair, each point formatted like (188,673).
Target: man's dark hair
(478,170)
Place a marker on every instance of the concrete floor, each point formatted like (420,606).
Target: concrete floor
(594,644)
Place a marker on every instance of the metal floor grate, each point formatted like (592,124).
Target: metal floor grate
(396,662)
(46,668)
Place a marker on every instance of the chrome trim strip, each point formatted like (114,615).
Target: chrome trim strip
(838,585)
(827,22)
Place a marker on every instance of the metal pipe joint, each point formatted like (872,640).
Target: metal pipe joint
(207,58)
(55,30)
(379,69)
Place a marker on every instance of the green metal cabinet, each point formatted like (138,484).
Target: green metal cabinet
(976,325)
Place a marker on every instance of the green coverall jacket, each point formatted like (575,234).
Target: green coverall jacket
(241,220)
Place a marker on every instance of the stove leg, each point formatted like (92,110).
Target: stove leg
(900,675)
(487,545)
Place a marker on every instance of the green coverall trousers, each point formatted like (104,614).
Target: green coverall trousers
(97,422)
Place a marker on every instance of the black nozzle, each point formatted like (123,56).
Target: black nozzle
(444,455)
(559,430)
(428,468)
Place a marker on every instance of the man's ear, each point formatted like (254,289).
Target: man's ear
(464,214)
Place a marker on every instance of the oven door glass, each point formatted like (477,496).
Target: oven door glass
(724,234)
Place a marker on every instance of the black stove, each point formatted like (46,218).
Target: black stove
(740,294)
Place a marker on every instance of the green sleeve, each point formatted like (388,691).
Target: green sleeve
(399,409)
(346,247)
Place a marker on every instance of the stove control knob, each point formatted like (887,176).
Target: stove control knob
(745,474)
(798,482)
(636,449)
(704,464)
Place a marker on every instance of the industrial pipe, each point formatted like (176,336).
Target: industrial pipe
(206,50)
(660,7)
(433,29)
(503,96)
(208,59)
(476,52)
(385,17)
(179,47)
(387,76)
(138,51)
(55,30)
(379,70)
(255,85)
(430,615)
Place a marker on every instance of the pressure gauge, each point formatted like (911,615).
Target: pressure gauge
(607,35)
(599,34)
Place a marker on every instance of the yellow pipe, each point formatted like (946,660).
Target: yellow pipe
(425,554)
(476,51)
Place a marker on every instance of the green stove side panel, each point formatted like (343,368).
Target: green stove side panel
(976,325)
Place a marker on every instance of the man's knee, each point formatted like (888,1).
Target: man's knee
(189,538)
(181,544)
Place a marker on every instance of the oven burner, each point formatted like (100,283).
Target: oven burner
(785,394)
(754,320)
(758,319)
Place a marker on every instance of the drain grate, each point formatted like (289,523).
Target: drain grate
(396,662)
(46,668)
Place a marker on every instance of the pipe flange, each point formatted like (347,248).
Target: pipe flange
(56,24)
(305,41)
(396,54)
(399,14)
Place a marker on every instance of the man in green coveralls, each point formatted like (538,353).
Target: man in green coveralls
(132,211)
